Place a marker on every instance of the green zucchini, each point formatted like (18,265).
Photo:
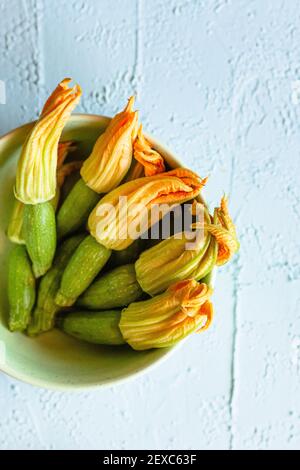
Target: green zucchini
(117,288)
(76,208)
(21,288)
(93,327)
(68,185)
(83,267)
(40,235)
(46,308)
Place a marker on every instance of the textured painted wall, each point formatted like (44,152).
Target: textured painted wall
(214,80)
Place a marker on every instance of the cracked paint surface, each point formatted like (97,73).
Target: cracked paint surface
(214,81)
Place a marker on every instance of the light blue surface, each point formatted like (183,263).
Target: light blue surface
(215,82)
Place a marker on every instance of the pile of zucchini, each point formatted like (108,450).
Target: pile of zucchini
(63,273)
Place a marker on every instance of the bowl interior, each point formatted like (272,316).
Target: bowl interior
(54,360)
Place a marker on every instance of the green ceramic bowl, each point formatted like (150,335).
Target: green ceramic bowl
(54,360)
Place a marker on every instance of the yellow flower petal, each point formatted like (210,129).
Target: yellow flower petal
(169,317)
(116,228)
(151,160)
(36,171)
(223,229)
(171,260)
(111,156)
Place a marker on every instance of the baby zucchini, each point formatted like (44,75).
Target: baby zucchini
(76,208)
(117,288)
(93,327)
(21,288)
(40,235)
(46,308)
(83,267)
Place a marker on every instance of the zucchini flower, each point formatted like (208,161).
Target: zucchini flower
(122,215)
(169,317)
(36,171)
(151,160)
(171,260)
(223,229)
(111,157)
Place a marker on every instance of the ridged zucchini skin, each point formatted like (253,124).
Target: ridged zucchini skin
(117,288)
(21,288)
(93,327)
(46,308)
(83,267)
(76,208)
(40,235)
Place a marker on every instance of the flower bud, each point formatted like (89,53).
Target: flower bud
(223,229)
(149,158)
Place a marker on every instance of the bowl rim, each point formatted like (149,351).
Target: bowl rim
(134,375)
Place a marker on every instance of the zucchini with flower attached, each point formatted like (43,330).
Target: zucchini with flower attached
(159,322)
(36,179)
(15,227)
